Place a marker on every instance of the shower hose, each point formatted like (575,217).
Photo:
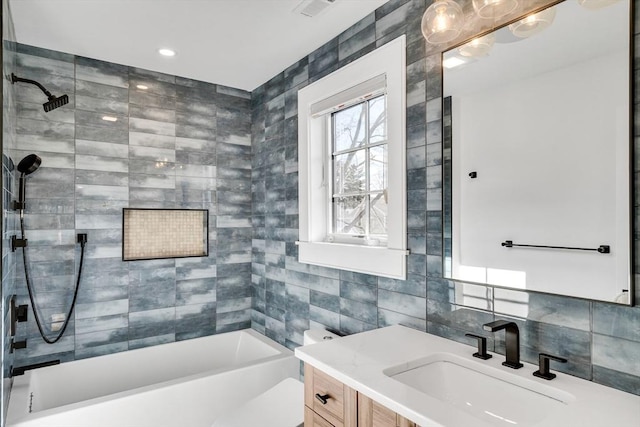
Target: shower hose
(46,339)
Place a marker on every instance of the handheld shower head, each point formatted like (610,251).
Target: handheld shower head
(54,101)
(29,164)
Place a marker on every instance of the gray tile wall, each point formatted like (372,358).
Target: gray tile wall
(602,341)
(179,144)
(8,187)
(187,144)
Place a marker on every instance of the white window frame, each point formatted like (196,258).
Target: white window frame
(315,103)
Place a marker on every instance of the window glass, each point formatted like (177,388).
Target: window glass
(349,214)
(360,169)
(378,119)
(349,173)
(378,168)
(350,127)
(378,218)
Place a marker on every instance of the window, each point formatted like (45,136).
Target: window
(359,170)
(351,152)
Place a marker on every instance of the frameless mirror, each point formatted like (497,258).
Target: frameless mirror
(536,144)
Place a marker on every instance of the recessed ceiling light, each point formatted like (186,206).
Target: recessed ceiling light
(109,118)
(166,52)
(142,87)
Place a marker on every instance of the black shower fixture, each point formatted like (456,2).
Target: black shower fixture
(54,101)
(29,164)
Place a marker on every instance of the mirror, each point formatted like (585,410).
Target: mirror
(536,154)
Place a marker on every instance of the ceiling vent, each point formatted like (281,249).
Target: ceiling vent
(311,8)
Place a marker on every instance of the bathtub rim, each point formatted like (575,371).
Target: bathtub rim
(19,398)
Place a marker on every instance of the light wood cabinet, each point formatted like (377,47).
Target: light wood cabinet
(330,403)
(311,419)
(329,398)
(373,414)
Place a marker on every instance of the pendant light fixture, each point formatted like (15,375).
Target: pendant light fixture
(533,24)
(478,47)
(442,22)
(492,9)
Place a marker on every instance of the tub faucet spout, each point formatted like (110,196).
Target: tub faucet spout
(512,341)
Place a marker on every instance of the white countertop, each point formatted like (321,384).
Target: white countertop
(359,361)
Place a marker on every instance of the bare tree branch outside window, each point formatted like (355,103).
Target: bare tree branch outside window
(359,163)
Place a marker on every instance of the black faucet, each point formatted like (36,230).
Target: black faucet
(482,347)
(512,341)
(543,366)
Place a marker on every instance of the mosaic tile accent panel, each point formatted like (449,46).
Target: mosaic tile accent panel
(160,233)
(581,330)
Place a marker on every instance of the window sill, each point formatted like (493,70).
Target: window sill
(376,260)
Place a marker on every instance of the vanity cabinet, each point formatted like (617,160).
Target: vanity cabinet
(373,414)
(330,403)
(327,401)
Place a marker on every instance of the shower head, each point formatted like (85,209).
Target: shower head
(29,164)
(54,101)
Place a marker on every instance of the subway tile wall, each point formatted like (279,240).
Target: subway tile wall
(178,144)
(601,341)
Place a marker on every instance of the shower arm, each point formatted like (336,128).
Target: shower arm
(15,79)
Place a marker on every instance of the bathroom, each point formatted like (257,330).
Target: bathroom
(248,181)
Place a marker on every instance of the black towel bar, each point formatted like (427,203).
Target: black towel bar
(603,249)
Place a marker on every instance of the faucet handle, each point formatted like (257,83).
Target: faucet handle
(543,366)
(482,347)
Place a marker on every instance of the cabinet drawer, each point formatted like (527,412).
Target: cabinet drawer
(338,403)
(311,419)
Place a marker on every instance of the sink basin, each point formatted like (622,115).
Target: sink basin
(493,395)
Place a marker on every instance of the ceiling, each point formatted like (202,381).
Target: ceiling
(236,43)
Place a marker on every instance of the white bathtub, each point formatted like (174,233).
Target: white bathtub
(187,384)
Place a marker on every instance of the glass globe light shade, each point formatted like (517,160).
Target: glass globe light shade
(533,24)
(596,4)
(494,8)
(442,22)
(480,46)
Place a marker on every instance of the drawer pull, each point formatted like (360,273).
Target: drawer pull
(324,398)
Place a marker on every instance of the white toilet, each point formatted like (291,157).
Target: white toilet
(280,406)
